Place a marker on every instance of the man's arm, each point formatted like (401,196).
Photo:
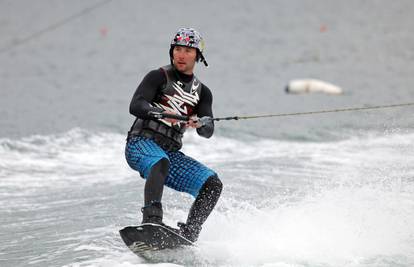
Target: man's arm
(204,109)
(145,94)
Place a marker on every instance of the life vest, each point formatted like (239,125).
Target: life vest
(176,96)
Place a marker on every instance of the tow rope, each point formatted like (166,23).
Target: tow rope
(159,115)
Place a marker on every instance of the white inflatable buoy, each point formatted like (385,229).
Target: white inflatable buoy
(312,86)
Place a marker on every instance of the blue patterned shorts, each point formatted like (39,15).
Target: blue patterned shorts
(185,173)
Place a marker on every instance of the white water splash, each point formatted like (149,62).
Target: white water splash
(345,203)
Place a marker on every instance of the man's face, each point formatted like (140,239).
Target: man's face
(184,59)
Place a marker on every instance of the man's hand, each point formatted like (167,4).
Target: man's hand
(196,122)
(170,120)
(193,122)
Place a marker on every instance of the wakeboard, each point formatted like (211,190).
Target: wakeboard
(152,237)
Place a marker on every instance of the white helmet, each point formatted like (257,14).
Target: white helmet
(189,37)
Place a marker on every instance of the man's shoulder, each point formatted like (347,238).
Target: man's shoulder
(204,87)
(156,76)
(156,72)
(205,92)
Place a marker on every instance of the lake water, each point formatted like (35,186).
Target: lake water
(326,190)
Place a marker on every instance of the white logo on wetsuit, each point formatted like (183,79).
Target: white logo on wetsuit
(195,86)
(177,104)
(180,99)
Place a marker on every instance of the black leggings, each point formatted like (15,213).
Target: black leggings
(204,202)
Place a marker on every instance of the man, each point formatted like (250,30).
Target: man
(153,143)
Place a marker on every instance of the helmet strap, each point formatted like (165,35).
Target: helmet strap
(202,59)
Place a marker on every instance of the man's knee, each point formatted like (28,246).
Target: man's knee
(213,185)
(162,167)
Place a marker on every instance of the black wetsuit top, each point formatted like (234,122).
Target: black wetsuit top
(153,83)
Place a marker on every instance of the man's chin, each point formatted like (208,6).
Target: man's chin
(178,66)
(182,69)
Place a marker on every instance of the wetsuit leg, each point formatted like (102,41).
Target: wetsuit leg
(202,207)
(154,186)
